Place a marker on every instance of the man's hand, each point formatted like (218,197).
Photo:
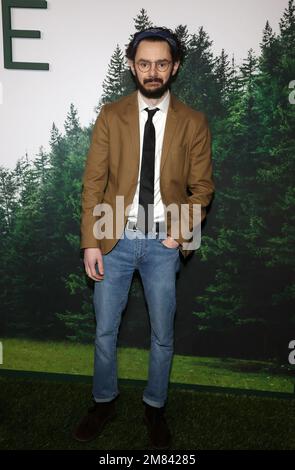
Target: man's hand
(170,242)
(91,257)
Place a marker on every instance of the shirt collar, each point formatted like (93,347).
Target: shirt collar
(163,105)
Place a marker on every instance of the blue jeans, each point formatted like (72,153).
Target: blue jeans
(157,265)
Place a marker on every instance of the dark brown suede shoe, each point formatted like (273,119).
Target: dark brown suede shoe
(155,421)
(92,424)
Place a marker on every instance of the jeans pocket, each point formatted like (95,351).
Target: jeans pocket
(166,247)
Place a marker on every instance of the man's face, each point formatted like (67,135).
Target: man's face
(153,83)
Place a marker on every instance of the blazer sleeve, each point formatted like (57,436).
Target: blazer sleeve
(94,179)
(200,179)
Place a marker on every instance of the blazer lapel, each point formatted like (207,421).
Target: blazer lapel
(132,118)
(170,127)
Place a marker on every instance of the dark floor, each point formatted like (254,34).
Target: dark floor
(41,414)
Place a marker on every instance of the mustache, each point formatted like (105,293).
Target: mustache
(152,80)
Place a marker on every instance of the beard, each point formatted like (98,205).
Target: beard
(158,91)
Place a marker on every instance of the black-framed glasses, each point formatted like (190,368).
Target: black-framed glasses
(161,65)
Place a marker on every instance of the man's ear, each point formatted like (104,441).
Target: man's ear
(175,67)
(131,65)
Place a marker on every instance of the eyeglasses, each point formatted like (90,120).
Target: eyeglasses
(161,65)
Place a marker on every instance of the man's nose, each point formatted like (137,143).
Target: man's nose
(153,67)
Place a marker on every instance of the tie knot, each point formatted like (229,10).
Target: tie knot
(151,112)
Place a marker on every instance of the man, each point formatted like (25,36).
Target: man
(152,150)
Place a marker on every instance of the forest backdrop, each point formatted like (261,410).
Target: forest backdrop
(236,295)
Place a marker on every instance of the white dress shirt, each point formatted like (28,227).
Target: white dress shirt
(159,121)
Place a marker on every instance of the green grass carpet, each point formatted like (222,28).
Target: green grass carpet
(41,414)
(75,358)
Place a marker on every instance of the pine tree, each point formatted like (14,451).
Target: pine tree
(113,83)
(268,37)
(182,33)
(72,124)
(196,84)
(55,137)
(248,70)
(8,198)
(41,165)
(142,21)
(287,26)
(223,75)
(254,272)
(270,51)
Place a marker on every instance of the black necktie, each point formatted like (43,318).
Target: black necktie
(145,220)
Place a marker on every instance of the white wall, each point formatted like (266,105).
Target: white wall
(78,38)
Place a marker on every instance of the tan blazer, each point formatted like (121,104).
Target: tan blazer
(112,164)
